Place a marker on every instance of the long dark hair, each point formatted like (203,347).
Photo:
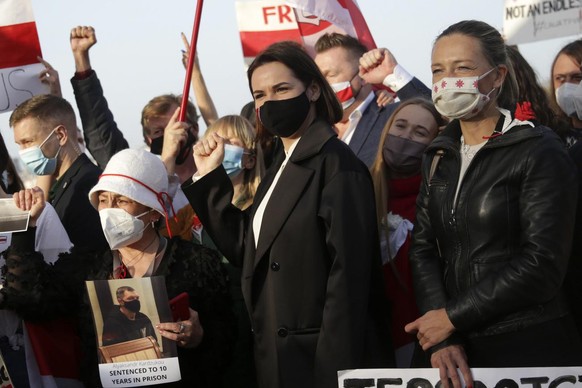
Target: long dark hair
(530,90)
(292,55)
(574,51)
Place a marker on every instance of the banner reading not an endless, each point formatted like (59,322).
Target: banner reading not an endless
(19,48)
(527,21)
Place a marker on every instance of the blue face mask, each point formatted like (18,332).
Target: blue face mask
(232,161)
(35,160)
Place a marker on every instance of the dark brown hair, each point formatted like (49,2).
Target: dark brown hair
(530,90)
(293,56)
(574,51)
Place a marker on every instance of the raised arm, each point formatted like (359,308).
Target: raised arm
(380,67)
(211,198)
(203,99)
(102,136)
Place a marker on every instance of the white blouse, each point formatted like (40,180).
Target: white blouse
(260,213)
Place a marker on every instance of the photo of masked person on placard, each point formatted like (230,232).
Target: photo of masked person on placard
(126,313)
(125,322)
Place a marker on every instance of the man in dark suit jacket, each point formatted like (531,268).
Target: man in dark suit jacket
(337,56)
(47,122)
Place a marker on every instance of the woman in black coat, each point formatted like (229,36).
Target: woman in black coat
(309,245)
(494,221)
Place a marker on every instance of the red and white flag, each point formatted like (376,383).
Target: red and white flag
(317,17)
(263,22)
(20,47)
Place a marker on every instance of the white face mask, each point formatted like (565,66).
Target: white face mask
(459,97)
(569,98)
(121,228)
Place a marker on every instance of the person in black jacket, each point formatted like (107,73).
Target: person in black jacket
(494,222)
(46,131)
(308,246)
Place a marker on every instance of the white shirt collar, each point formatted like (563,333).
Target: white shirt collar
(510,122)
(355,117)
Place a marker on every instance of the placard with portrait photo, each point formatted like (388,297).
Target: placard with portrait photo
(126,313)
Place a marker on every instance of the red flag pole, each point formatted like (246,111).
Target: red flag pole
(193,42)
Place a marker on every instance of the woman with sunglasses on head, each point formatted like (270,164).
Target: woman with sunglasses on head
(494,221)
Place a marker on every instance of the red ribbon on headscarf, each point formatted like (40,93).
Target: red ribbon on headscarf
(161,196)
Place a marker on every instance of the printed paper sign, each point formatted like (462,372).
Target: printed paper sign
(483,378)
(20,47)
(12,219)
(533,20)
(131,352)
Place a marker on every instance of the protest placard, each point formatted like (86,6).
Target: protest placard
(527,21)
(483,378)
(20,47)
(125,313)
(12,219)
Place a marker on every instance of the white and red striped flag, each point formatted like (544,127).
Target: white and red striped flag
(263,22)
(19,48)
(317,17)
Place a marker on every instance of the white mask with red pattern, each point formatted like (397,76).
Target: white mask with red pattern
(459,97)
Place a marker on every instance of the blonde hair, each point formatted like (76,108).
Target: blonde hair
(380,172)
(235,126)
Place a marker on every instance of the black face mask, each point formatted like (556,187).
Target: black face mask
(157,145)
(132,305)
(403,156)
(284,117)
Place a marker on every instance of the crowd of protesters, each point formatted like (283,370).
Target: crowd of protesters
(350,217)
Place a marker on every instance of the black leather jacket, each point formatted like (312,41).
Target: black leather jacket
(497,258)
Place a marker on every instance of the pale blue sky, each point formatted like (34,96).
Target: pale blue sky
(138,51)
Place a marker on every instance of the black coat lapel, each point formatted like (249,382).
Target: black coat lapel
(289,188)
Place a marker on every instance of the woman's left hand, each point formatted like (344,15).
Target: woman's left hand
(432,328)
(188,334)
